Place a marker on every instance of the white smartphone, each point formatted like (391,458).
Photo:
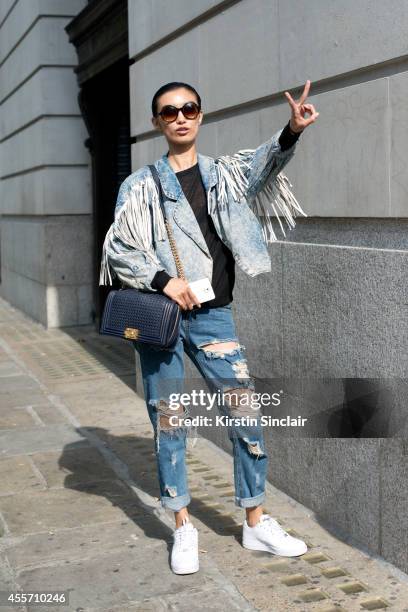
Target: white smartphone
(202,289)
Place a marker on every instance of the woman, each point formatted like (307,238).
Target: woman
(214,210)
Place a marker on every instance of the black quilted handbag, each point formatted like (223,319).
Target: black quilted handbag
(141,316)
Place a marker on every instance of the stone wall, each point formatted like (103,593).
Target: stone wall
(45,186)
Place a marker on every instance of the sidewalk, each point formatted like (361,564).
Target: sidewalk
(79,509)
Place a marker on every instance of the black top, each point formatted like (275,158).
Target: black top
(223,278)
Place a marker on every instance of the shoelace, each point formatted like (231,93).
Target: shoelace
(272,524)
(183,535)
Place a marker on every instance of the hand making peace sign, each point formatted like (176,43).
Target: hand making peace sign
(299,109)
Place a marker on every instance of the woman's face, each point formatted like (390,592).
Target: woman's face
(177,98)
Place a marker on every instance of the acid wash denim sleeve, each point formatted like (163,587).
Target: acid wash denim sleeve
(127,249)
(255,176)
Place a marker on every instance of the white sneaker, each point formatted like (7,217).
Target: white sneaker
(269,536)
(184,554)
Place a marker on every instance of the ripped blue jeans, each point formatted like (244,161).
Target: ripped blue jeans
(225,372)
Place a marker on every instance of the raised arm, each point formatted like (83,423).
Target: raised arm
(255,175)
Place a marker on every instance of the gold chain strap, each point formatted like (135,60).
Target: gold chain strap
(179,266)
(180,269)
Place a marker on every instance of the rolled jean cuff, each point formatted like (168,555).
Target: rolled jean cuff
(175,503)
(248,502)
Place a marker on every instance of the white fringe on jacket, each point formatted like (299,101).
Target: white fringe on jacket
(133,225)
(274,200)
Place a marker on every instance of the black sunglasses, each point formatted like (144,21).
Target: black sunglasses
(170,113)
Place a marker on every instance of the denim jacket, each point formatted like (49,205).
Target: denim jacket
(245,191)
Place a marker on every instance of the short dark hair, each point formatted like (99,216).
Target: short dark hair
(169,87)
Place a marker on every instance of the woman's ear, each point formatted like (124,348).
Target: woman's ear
(155,124)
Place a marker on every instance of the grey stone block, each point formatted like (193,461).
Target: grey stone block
(398,88)
(16,288)
(390,234)
(48,191)
(66,306)
(338,478)
(23,14)
(57,141)
(260,329)
(68,250)
(341,166)
(49,91)
(340,312)
(45,43)
(48,269)
(149,22)
(5,8)
(370,34)
(344,312)
(241,131)
(244,44)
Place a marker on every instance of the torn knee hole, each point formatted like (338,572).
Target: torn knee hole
(240,367)
(220,348)
(240,400)
(166,423)
(165,412)
(254,448)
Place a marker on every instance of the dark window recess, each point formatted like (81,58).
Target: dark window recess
(105,106)
(99,33)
